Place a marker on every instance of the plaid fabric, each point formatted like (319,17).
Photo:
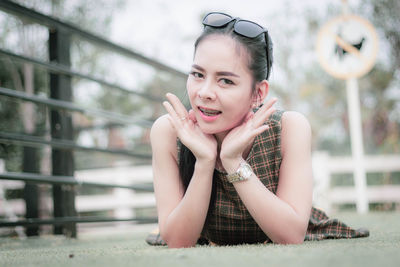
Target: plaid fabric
(229,222)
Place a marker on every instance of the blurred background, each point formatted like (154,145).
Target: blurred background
(164,32)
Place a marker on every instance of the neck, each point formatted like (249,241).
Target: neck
(220,138)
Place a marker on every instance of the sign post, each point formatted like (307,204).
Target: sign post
(347,47)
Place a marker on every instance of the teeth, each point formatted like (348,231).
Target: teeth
(210,112)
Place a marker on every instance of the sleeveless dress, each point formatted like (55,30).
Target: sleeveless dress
(228,221)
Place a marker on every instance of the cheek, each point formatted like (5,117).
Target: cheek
(190,88)
(238,110)
(236,119)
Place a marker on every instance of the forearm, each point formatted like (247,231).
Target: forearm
(283,216)
(279,221)
(185,223)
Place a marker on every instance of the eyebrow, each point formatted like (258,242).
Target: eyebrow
(219,73)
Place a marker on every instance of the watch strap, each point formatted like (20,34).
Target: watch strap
(243,172)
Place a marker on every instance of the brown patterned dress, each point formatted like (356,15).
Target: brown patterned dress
(228,221)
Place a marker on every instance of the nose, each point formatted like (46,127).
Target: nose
(207,91)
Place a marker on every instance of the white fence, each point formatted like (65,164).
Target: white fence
(325,166)
(122,202)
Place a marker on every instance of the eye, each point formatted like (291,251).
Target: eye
(196,74)
(227,81)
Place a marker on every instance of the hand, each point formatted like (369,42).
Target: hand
(203,146)
(240,137)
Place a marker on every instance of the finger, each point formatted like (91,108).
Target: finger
(192,117)
(259,130)
(263,117)
(249,116)
(264,112)
(174,118)
(171,121)
(177,105)
(267,105)
(271,102)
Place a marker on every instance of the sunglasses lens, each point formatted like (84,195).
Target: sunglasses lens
(248,28)
(216,19)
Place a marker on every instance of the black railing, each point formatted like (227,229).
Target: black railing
(67,180)
(61,128)
(60,69)
(67,105)
(67,28)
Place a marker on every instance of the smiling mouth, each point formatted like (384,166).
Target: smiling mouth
(209,112)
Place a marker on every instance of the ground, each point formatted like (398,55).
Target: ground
(128,248)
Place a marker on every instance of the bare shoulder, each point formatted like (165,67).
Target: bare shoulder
(162,126)
(296,121)
(296,131)
(162,135)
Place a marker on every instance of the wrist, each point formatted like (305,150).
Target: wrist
(243,173)
(231,165)
(203,162)
(208,157)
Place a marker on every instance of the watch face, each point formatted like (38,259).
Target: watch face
(245,171)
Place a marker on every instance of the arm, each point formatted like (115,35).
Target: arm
(284,216)
(181,215)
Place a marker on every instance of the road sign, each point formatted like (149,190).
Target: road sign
(347,47)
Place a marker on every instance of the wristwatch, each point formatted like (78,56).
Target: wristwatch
(243,173)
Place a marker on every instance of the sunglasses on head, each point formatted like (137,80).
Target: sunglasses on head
(242,27)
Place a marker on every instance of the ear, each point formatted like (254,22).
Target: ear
(260,93)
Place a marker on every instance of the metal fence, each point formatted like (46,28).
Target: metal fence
(62,141)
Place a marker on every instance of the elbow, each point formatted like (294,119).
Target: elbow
(174,237)
(294,234)
(291,238)
(296,240)
(178,242)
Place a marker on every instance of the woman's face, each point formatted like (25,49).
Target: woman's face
(220,84)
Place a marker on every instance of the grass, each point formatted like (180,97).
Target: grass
(382,248)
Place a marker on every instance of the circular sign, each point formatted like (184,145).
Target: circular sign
(347,47)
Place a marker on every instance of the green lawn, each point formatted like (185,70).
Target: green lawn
(382,248)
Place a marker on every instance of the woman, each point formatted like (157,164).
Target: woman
(232,170)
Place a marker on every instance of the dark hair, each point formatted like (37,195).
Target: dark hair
(259,63)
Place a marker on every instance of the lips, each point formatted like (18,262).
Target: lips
(209,115)
(209,112)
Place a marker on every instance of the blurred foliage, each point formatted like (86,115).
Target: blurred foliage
(322,98)
(162,84)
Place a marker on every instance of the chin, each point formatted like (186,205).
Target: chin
(209,129)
